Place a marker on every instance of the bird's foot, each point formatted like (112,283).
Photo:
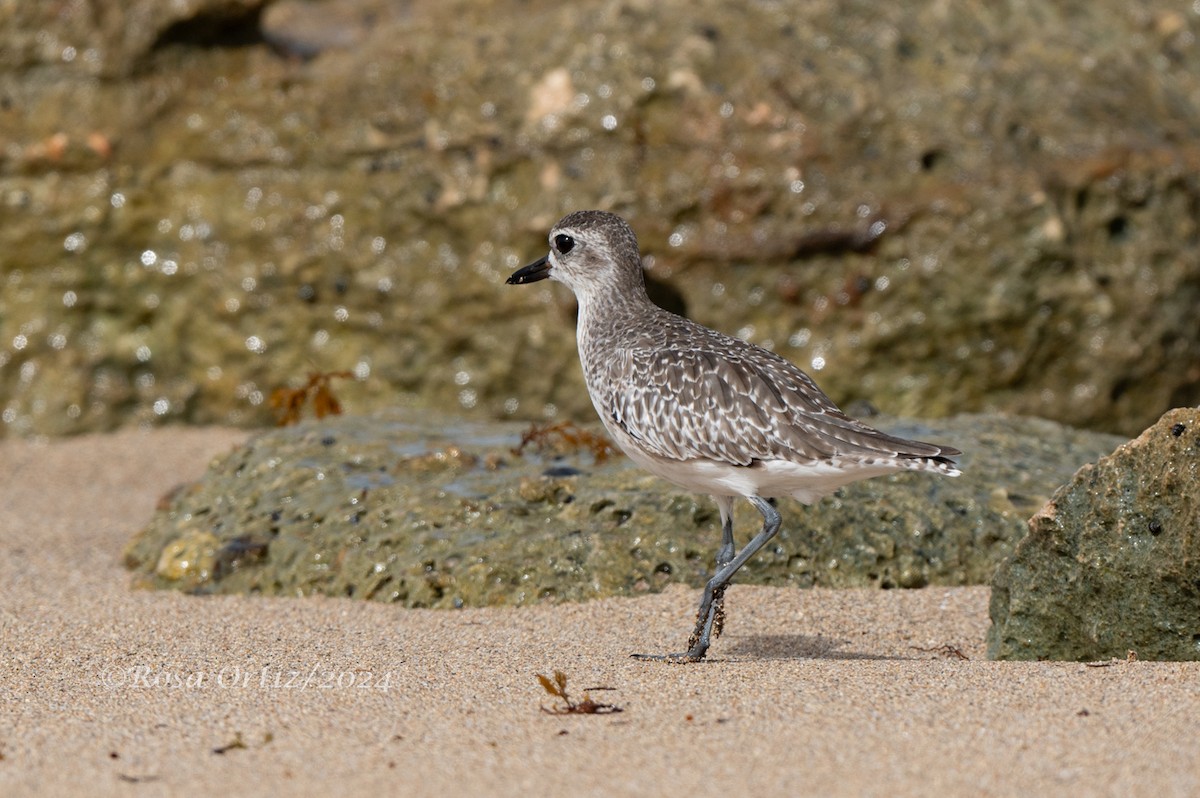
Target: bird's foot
(710,620)
(708,627)
(692,655)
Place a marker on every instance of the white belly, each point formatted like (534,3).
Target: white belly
(805,482)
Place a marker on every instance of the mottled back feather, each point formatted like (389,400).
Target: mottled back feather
(684,392)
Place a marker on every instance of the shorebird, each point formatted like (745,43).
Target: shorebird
(709,412)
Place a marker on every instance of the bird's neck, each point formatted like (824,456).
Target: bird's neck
(605,318)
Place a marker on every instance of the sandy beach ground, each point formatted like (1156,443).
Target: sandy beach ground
(105,690)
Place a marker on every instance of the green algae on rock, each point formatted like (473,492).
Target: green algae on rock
(1112,563)
(407,509)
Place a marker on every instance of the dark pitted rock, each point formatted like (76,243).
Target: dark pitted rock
(989,207)
(117,38)
(1112,563)
(445,514)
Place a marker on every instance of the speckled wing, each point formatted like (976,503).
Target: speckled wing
(737,404)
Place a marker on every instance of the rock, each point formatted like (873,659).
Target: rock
(415,510)
(306,28)
(1112,563)
(116,39)
(937,211)
(189,560)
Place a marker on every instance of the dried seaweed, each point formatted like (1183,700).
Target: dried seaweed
(946,650)
(289,402)
(565,435)
(557,687)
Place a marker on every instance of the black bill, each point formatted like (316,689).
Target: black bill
(538,270)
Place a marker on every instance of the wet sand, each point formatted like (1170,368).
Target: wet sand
(808,692)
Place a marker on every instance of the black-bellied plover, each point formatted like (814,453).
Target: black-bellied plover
(709,412)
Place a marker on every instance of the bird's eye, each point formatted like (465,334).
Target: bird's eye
(564,244)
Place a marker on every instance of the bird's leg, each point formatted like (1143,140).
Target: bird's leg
(702,635)
(716,619)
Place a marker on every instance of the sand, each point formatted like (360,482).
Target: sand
(113,691)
